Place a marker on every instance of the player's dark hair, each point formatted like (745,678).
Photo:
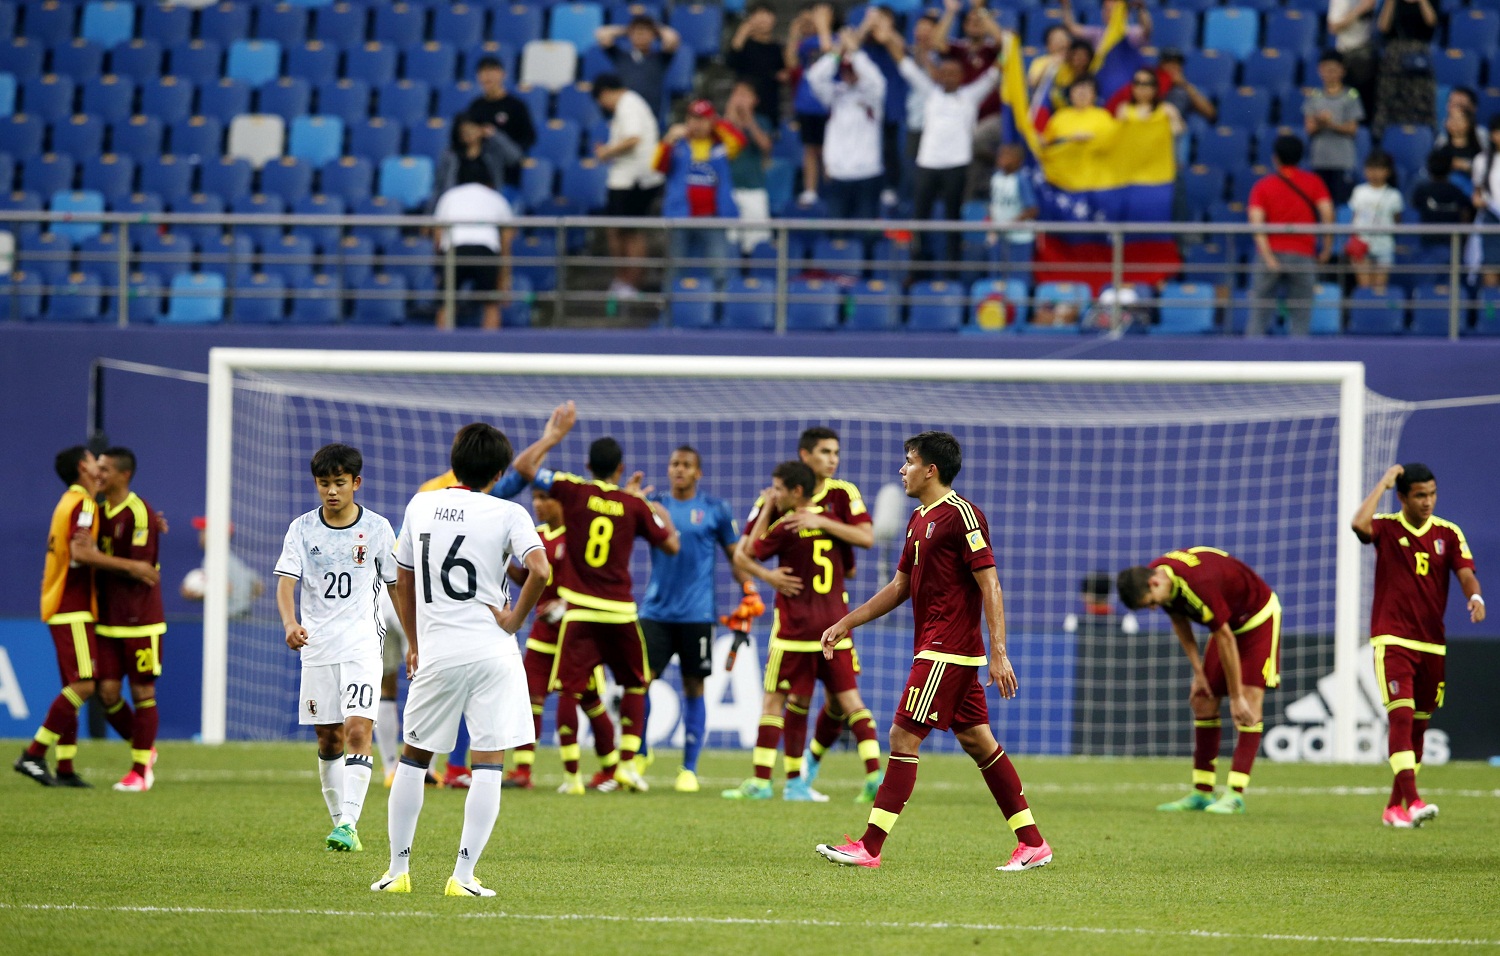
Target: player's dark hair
(337,459)
(940,449)
(794,474)
(124,456)
(1413,474)
(67,461)
(605,455)
(810,437)
(690,450)
(1133,585)
(480,453)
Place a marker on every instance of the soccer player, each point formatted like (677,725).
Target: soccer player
(948,571)
(341,554)
(1415,551)
(541,652)
(68,607)
(455,602)
(600,624)
(678,613)
(131,621)
(1243,658)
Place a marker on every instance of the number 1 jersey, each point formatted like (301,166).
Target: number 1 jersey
(342,571)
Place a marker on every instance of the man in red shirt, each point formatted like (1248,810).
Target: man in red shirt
(1287,263)
(948,571)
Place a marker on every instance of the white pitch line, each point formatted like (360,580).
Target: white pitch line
(758,921)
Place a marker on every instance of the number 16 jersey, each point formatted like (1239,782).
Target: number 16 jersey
(341,571)
(457,543)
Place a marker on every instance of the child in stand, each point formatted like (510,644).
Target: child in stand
(1376,202)
(1012,200)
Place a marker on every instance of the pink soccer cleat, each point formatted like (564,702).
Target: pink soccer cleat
(1027,858)
(133,783)
(1421,811)
(852,853)
(150,770)
(1397,817)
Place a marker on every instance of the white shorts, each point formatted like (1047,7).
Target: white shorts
(393,648)
(491,695)
(332,693)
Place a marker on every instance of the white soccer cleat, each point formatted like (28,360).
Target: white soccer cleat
(1421,812)
(457,887)
(629,778)
(400,883)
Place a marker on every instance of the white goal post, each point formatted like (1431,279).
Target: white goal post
(1348,378)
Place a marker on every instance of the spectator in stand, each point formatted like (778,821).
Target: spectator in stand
(1146,102)
(1439,201)
(1376,202)
(1462,97)
(886,47)
(1460,140)
(501,112)
(1407,92)
(1287,262)
(810,37)
(1083,119)
(926,57)
(756,57)
(1012,200)
(481,238)
(476,153)
(641,62)
(1137,34)
(1487,205)
(852,88)
(1077,62)
(1351,24)
(633,180)
(1331,117)
(747,171)
(1056,42)
(694,155)
(1181,92)
(977,51)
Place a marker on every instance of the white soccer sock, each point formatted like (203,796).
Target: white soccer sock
(402,812)
(331,775)
(387,734)
(481,810)
(357,769)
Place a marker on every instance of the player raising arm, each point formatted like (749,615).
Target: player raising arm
(454,600)
(948,571)
(1415,551)
(1243,658)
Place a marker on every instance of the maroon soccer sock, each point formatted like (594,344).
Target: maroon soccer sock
(890,800)
(121,719)
(862,723)
(1246,746)
(826,730)
(632,721)
(603,727)
(1418,735)
(59,727)
(1005,785)
(1403,758)
(67,748)
(1206,735)
(143,735)
(567,730)
(794,740)
(766,739)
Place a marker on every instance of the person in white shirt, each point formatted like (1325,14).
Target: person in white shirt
(480,242)
(460,618)
(634,184)
(340,552)
(1376,202)
(853,88)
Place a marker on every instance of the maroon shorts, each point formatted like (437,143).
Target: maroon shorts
(76,649)
(942,696)
(1409,675)
(137,659)
(1260,658)
(583,645)
(799,672)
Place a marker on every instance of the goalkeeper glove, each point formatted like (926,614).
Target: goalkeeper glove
(751,606)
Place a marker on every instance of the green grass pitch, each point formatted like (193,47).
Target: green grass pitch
(225,856)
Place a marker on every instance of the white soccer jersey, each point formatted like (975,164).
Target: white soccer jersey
(457,543)
(342,571)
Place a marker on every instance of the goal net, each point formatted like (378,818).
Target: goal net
(1081,468)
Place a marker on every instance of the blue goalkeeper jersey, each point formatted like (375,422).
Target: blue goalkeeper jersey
(682,584)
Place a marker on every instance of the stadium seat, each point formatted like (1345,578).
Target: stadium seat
(1057,308)
(576,103)
(316,140)
(348,99)
(197,60)
(198,137)
(749,303)
(1374,314)
(48,97)
(166,24)
(351,178)
(201,204)
(701,26)
(548,64)
(428,139)
(288,178)
(107,22)
(538,178)
(46,255)
(168,176)
(694,303)
(110,97)
(1174,29)
(257,138)
(380,235)
(874,305)
(1231,30)
(7,18)
(1430,309)
(1224,148)
(164,254)
(316,300)
(286,23)
(228,177)
(314,61)
(406,180)
(1487,314)
(839,256)
(344,24)
(594,63)
(936,306)
(378,299)
(375,139)
(1407,145)
(406,101)
(287,97)
(196,298)
(1270,69)
(455,98)
(78,298)
(75,202)
(253,62)
(411,257)
(168,98)
(20,296)
(224,99)
(327,236)
(21,57)
(1327,311)
(536,99)
(225,23)
(351,259)
(1292,31)
(681,73)
(144,299)
(557,142)
(51,22)
(433,63)
(1204,186)
(584,182)
(267,235)
(80,60)
(1475,30)
(79,135)
(111,175)
(997,305)
(140,59)
(229,255)
(291,258)
(259,299)
(23,134)
(7,94)
(1185,308)
(1456,68)
(813,305)
(48,173)
(7,178)
(1247,107)
(1212,71)
(575,23)
(399,24)
(373,62)
(461,25)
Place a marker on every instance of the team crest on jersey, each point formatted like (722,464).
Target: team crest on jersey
(1395,688)
(360,552)
(312,708)
(696,516)
(929,529)
(1438,545)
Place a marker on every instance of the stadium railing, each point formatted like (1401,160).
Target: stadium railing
(806,274)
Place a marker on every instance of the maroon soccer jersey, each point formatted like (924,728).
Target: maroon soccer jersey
(841,501)
(127,607)
(813,556)
(946,542)
(1412,568)
(1213,588)
(602,522)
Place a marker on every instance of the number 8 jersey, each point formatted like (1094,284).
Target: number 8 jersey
(457,543)
(341,571)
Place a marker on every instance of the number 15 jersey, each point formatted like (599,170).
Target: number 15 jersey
(342,571)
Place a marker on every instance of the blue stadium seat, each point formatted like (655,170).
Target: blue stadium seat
(1185,308)
(165,24)
(48,97)
(429,138)
(111,175)
(936,306)
(351,178)
(228,177)
(200,204)
(287,177)
(266,236)
(375,139)
(701,26)
(139,204)
(79,298)
(46,255)
(225,23)
(23,134)
(1270,69)
(7,94)
(197,60)
(1289,105)
(287,97)
(577,103)
(316,140)
(22,57)
(168,98)
(1456,68)
(1225,147)
(592,64)
(1291,31)
(47,173)
(838,255)
(199,137)
(574,23)
(584,182)
(456,97)
(145,299)
(1487,315)
(1210,70)
(997,305)
(196,298)
(379,299)
(1475,30)
(538,178)
(80,60)
(51,22)
(406,180)
(1408,145)
(7,173)
(433,63)
(411,257)
(74,202)
(1247,107)
(1430,303)
(874,306)
(1038,22)
(110,98)
(1172,28)
(693,303)
(1204,186)
(314,61)
(399,24)
(169,176)
(813,304)
(229,255)
(1232,30)
(461,25)
(325,236)
(79,135)
(253,62)
(1049,298)
(1205,263)
(1327,311)
(535,257)
(286,23)
(406,101)
(372,62)
(621,12)
(291,258)
(348,99)
(259,299)
(224,99)
(750,303)
(164,254)
(1374,314)
(107,22)
(7,18)
(140,59)
(535,98)
(316,300)
(343,24)
(351,259)
(20,296)
(557,141)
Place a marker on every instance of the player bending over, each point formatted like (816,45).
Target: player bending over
(1242,660)
(948,571)
(454,599)
(340,552)
(1415,551)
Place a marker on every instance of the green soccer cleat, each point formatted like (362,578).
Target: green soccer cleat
(1197,800)
(1230,802)
(345,839)
(752,789)
(872,787)
(400,883)
(457,887)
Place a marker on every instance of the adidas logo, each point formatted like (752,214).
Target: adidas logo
(404,854)
(463,853)
(315,550)
(1306,730)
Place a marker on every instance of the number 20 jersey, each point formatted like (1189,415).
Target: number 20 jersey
(342,571)
(457,542)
